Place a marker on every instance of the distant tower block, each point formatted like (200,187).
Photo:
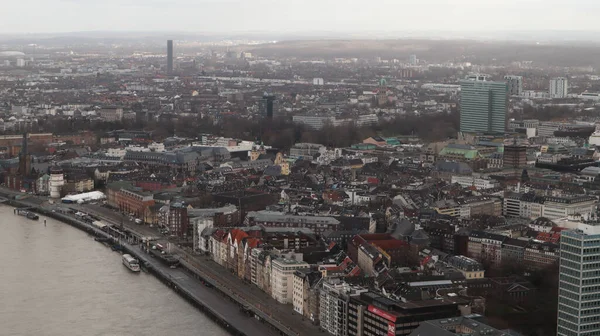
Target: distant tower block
(515,85)
(266,105)
(483,105)
(169,56)
(413,60)
(515,156)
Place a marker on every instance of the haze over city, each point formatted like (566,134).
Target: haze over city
(384,17)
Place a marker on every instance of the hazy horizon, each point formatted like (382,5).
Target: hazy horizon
(297,16)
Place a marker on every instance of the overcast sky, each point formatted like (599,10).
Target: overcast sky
(47,16)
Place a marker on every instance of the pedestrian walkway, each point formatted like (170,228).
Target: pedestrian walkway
(283,314)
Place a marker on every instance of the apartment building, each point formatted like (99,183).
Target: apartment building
(282,278)
(269,219)
(532,206)
(467,207)
(485,246)
(333,308)
(306,293)
(477,182)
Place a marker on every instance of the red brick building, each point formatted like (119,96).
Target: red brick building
(20,183)
(134,201)
(13,142)
(399,252)
(83,138)
(112,191)
(175,218)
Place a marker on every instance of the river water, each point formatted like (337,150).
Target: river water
(56,280)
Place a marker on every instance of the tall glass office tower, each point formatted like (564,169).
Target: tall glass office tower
(483,105)
(579,282)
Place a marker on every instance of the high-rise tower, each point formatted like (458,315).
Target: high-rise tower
(579,281)
(169,56)
(515,85)
(483,105)
(559,87)
(266,105)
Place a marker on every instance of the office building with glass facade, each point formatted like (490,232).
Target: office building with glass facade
(579,282)
(483,105)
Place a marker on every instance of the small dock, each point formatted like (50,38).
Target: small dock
(25,212)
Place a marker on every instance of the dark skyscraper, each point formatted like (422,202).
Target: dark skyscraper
(169,56)
(266,105)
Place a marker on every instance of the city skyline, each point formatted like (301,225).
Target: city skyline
(301,183)
(295,16)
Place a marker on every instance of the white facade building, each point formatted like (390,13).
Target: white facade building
(590,96)
(282,278)
(199,224)
(304,149)
(116,152)
(439,87)
(559,87)
(202,219)
(156,147)
(532,207)
(567,141)
(479,183)
(531,94)
(594,139)
(313,122)
(547,128)
(333,305)
(515,85)
(578,303)
(317,122)
(298,294)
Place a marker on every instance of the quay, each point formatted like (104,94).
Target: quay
(248,302)
(215,304)
(262,305)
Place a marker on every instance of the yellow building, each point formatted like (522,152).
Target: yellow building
(470,268)
(281,162)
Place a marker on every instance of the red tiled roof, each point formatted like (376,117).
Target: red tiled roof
(358,240)
(345,262)
(253,242)
(355,271)
(552,237)
(332,268)
(237,235)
